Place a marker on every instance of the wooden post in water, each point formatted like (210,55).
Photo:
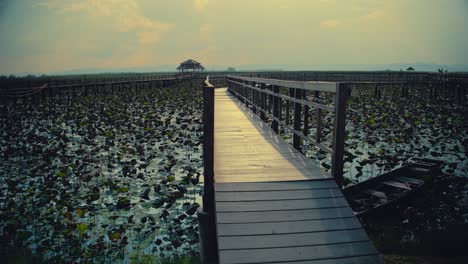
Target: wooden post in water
(377,91)
(206,216)
(339,133)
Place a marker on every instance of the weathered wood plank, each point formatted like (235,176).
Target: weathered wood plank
(259,206)
(296,253)
(275,186)
(371,259)
(263,171)
(240,229)
(294,215)
(277,195)
(292,240)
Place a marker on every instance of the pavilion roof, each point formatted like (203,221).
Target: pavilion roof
(190,64)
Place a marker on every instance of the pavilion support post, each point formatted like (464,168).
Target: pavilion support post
(341,97)
(297,119)
(206,215)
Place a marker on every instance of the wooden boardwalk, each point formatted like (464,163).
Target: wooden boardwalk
(273,205)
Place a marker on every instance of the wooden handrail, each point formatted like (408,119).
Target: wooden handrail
(311,86)
(74,85)
(285,97)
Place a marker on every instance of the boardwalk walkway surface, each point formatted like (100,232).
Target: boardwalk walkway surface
(273,205)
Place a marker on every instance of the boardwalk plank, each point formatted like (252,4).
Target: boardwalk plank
(372,259)
(275,186)
(292,240)
(259,206)
(290,215)
(288,227)
(297,253)
(277,195)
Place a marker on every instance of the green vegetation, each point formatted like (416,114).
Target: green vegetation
(151,259)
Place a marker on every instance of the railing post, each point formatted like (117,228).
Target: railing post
(246,94)
(275,124)
(297,119)
(206,216)
(291,94)
(339,132)
(306,115)
(318,136)
(252,97)
(262,102)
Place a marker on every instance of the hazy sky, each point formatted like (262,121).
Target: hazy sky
(56,35)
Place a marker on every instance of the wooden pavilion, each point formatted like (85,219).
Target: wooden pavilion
(190,66)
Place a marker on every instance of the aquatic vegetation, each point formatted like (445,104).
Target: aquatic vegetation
(101,177)
(385,133)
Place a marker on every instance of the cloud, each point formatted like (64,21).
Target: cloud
(148,37)
(124,15)
(333,23)
(206,28)
(200,5)
(205,34)
(130,23)
(330,23)
(375,14)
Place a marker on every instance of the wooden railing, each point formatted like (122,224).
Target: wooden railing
(50,88)
(264,96)
(363,76)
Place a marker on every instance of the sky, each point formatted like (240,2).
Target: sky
(49,36)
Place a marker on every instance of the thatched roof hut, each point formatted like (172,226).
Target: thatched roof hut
(190,66)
